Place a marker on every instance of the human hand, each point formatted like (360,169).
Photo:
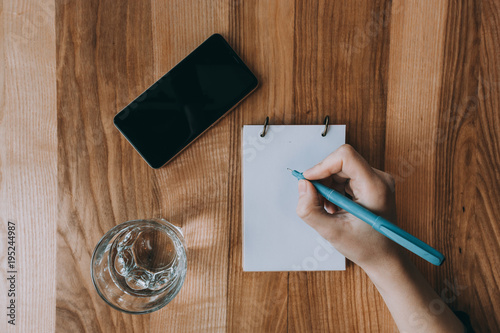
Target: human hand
(347,172)
(403,288)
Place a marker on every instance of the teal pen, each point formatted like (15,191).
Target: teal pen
(378,223)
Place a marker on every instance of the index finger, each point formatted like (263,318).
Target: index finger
(346,162)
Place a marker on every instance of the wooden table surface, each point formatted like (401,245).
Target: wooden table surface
(416,82)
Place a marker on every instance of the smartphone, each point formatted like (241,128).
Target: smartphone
(186,101)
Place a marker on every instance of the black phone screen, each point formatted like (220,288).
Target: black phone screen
(186,101)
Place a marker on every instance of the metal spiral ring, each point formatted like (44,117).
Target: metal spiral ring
(264,131)
(327,120)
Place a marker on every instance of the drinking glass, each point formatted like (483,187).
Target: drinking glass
(139,266)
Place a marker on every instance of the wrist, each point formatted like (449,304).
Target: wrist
(408,295)
(383,272)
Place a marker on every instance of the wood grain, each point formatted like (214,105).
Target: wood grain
(263,35)
(28,157)
(340,66)
(415,80)
(417,83)
(483,297)
(193,191)
(103,52)
(443,162)
(456,141)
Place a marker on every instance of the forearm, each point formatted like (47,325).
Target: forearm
(414,305)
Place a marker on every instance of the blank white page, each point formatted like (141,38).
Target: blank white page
(274,237)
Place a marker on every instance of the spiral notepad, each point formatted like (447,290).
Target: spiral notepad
(274,237)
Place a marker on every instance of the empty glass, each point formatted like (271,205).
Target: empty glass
(139,266)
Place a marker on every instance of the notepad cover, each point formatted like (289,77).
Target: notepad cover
(274,237)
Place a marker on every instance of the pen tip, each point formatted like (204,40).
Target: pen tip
(289,169)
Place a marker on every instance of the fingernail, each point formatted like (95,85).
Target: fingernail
(302,186)
(306,173)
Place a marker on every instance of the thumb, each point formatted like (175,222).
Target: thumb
(311,210)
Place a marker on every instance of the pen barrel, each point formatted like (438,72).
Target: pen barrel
(383,226)
(346,204)
(408,241)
